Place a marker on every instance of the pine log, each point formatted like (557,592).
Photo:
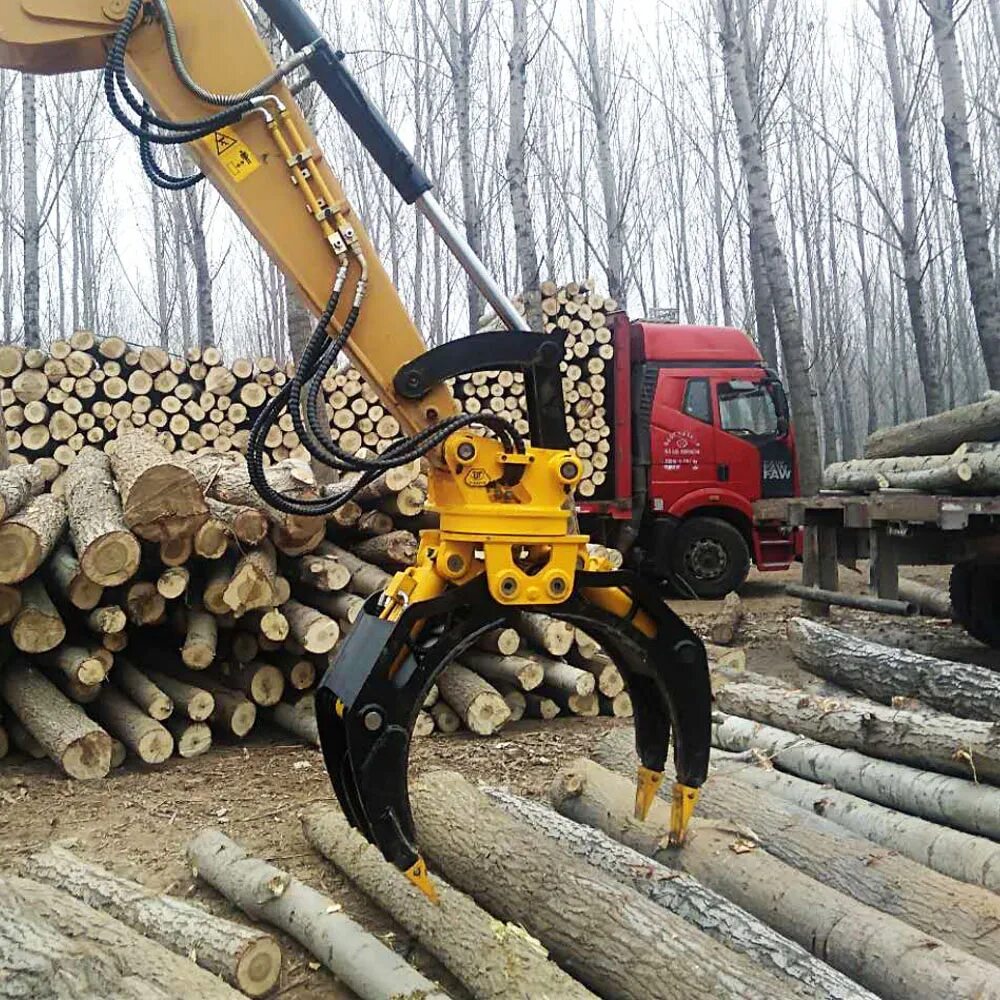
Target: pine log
(54,946)
(874,949)
(968,916)
(77,663)
(366,579)
(108,552)
(252,582)
(65,577)
(27,537)
(504,641)
(493,962)
(144,736)
(173,582)
(548,634)
(392,550)
(524,672)
(685,896)
(727,622)
(298,718)
(476,702)
(313,630)
(569,906)
(19,485)
(243,957)
(161,499)
(955,802)
(191,739)
(37,627)
(445,717)
(265,893)
(200,640)
(70,738)
(975,860)
(193,701)
(143,603)
(939,434)
(10,603)
(107,620)
(931,740)
(143,691)
(884,673)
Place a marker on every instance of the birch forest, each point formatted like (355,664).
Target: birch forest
(821,173)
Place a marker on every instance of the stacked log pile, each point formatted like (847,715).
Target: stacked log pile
(151,603)
(957,451)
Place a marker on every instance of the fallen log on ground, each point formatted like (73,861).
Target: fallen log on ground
(727,622)
(968,916)
(266,893)
(932,740)
(932,601)
(244,957)
(883,673)
(949,642)
(686,896)
(616,942)
(884,954)
(494,962)
(941,798)
(78,932)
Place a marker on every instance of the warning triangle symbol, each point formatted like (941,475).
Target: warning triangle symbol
(223,142)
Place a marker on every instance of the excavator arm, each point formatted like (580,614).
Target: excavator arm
(505,541)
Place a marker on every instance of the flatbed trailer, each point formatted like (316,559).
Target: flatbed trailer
(894,528)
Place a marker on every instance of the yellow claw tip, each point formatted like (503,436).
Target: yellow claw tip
(683,800)
(647,785)
(418,875)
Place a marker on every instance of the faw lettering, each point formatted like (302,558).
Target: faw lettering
(774,469)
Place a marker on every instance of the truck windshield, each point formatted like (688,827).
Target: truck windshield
(748,409)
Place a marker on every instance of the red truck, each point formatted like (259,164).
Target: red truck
(702,431)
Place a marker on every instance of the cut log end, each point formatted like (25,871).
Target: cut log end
(112,559)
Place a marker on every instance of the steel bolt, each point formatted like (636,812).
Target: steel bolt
(568,470)
(466,451)
(455,563)
(373,721)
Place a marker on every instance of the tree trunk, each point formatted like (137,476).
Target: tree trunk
(883,673)
(145,737)
(313,630)
(161,499)
(202,272)
(879,951)
(18,487)
(196,703)
(392,550)
(615,941)
(913,266)
(493,964)
(762,217)
(953,801)
(252,582)
(684,896)
(517,169)
(152,699)
(64,576)
(243,957)
(265,893)
(108,552)
(940,434)
(32,224)
(549,634)
(983,287)
(523,672)
(72,951)
(37,627)
(77,663)
(27,538)
(476,702)
(930,740)
(78,745)
(200,639)
(366,579)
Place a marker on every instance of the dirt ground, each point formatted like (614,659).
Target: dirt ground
(137,821)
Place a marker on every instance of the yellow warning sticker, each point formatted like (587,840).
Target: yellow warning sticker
(233,153)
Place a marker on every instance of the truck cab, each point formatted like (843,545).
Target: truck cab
(702,431)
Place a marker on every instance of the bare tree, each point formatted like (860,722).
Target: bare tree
(983,287)
(775,262)
(32,229)
(198,249)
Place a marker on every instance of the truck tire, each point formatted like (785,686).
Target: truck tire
(710,557)
(984,610)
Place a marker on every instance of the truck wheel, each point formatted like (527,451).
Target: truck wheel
(984,611)
(710,557)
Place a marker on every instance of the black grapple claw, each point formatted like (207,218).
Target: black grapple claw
(368,700)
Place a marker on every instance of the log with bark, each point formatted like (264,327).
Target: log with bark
(727,622)
(52,945)
(950,801)
(298,718)
(879,951)
(64,576)
(966,914)
(266,893)
(150,741)
(37,627)
(245,958)
(29,536)
(939,434)
(884,673)
(614,939)
(685,896)
(492,960)
(474,700)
